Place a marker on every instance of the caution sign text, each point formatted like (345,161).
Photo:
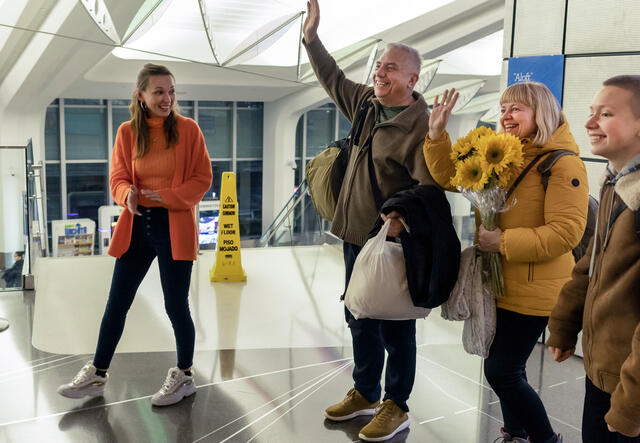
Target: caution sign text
(228,264)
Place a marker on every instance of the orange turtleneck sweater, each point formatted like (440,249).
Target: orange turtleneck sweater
(180,190)
(155,169)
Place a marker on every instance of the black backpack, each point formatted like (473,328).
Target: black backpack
(544,168)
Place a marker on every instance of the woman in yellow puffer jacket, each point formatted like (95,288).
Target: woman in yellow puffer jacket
(534,238)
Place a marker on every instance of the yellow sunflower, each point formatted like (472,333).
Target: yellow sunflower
(494,154)
(470,175)
(482,131)
(515,155)
(461,149)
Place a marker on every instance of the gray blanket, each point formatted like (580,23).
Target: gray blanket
(472,302)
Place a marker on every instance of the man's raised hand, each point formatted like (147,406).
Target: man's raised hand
(311,22)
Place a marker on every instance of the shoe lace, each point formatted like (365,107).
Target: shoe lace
(170,381)
(384,412)
(83,374)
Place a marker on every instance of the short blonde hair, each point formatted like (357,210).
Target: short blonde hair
(546,110)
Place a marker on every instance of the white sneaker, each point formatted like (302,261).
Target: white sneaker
(86,382)
(177,386)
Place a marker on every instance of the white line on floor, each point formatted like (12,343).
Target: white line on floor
(325,379)
(558,384)
(270,401)
(57,414)
(465,410)
(581,377)
(432,419)
(564,423)
(442,390)
(292,407)
(14,376)
(26,368)
(493,402)
(453,372)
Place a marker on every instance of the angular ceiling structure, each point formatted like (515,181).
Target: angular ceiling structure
(246,48)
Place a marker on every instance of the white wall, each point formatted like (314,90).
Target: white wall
(599,38)
(12,177)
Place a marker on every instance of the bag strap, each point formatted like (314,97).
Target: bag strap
(358,121)
(619,210)
(377,194)
(544,168)
(521,176)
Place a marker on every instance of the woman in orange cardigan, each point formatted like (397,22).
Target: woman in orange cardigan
(160,171)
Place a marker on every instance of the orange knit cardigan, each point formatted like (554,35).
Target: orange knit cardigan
(192,178)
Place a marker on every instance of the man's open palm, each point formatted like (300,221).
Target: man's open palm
(310,27)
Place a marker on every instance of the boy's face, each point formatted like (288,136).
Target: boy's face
(613,129)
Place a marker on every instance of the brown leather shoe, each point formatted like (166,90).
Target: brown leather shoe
(388,421)
(353,405)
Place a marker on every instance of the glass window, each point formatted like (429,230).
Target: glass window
(87,189)
(82,101)
(299,172)
(251,105)
(249,133)
(186,111)
(185,107)
(344,126)
(320,130)
(204,103)
(52,134)
(54,205)
(118,116)
(54,211)
(217,127)
(299,132)
(249,184)
(121,102)
(85,133)
(218,167)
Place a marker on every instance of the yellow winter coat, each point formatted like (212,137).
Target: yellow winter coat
(541,229)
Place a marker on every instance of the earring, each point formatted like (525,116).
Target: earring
(142,105)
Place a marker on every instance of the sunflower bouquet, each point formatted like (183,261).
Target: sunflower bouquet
(484,162)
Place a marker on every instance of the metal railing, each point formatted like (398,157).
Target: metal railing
(297,223)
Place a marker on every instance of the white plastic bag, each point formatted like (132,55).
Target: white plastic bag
(378,286)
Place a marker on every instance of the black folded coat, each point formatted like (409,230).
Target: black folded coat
(432,248)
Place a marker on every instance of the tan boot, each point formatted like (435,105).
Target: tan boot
(353,405)
(388,421)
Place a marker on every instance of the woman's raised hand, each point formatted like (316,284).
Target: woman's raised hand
(441,112)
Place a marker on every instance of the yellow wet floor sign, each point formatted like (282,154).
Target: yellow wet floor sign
(228,266)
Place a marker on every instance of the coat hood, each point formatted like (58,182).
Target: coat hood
(560,139)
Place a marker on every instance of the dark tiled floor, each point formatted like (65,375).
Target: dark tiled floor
(261,395)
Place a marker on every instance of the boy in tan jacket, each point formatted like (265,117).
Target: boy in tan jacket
(603,297)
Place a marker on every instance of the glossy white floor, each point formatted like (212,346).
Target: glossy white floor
(271,354)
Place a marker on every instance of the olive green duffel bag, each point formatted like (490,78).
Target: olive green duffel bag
(325,172)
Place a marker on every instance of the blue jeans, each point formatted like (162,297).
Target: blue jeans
(594,429)
(370,340)
(505,370)
(149,239)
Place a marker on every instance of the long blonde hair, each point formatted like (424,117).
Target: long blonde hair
(139,112)
(546,111)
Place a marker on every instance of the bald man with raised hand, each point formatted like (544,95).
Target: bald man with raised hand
(397,122)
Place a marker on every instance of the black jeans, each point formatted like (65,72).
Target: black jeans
(594,428)
(149,239)
(505,369)
(370,340)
